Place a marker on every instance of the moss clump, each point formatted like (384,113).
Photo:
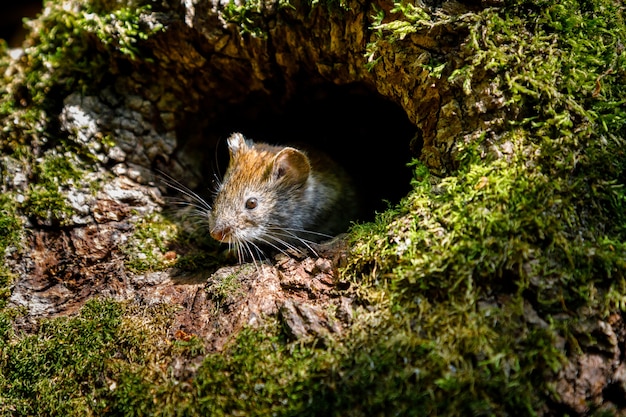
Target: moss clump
(224,288)
(45,199)
(71,366)
(470,291)
(57,362)
(10,225)
(69,49)
(248,378)
(248,17)
(148,248)
(532,221)
(10,236)
(159,243)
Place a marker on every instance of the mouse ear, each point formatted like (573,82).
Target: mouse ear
(237,143)
(292,165)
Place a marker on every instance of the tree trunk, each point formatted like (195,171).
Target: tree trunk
(377,85)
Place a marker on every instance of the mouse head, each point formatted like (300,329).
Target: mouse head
(259,192)
(287,165)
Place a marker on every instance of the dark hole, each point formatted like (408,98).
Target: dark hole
(365,133)
(615,394)
(11,20)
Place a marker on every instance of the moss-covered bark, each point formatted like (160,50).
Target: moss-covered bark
(495,287)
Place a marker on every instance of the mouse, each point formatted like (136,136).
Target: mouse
(280,197)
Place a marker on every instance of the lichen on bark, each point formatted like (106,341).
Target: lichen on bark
(495,286)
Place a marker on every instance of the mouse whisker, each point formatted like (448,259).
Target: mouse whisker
(199,215)
(277,240)
(292,235)
(185,209)
(198,222)
(183,189)
(258,250)
(278,237)
(237,247)
(297,235)
(307,232)
(184,203)
(248,250)
(252,245)
(241,253)
(217,183)
(288,243)
(245,250)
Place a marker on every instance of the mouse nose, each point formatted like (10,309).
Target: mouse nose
(221,233)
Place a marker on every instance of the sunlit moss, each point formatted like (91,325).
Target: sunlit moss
(68,49)
(71,365)
(247,16)
(533,219)
(45,199)
(10,225)
(530,225)
(11,231)
(65,354)
(148,248)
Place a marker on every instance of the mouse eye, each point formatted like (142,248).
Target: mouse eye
(251,203)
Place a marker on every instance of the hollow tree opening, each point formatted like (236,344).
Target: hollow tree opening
(365,133)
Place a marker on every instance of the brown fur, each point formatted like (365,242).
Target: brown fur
(296,197)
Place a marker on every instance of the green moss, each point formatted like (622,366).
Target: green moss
(248,378)
(556,206)
(10,225)
(247,16)
(225,287)
(402,19)
(10,236)
(375,370)
(196,249)
(71,366)
(189,347)
(541,227)
(68,50)
(45,374)
(147,247)
(462,290)
(121,29)
(251,373)
(47,204)
(45,199)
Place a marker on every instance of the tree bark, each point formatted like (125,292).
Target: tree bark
(210,67)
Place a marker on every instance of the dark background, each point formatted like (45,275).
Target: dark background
(11,20)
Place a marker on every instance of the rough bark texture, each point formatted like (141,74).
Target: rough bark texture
(212,74)
(171,115)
